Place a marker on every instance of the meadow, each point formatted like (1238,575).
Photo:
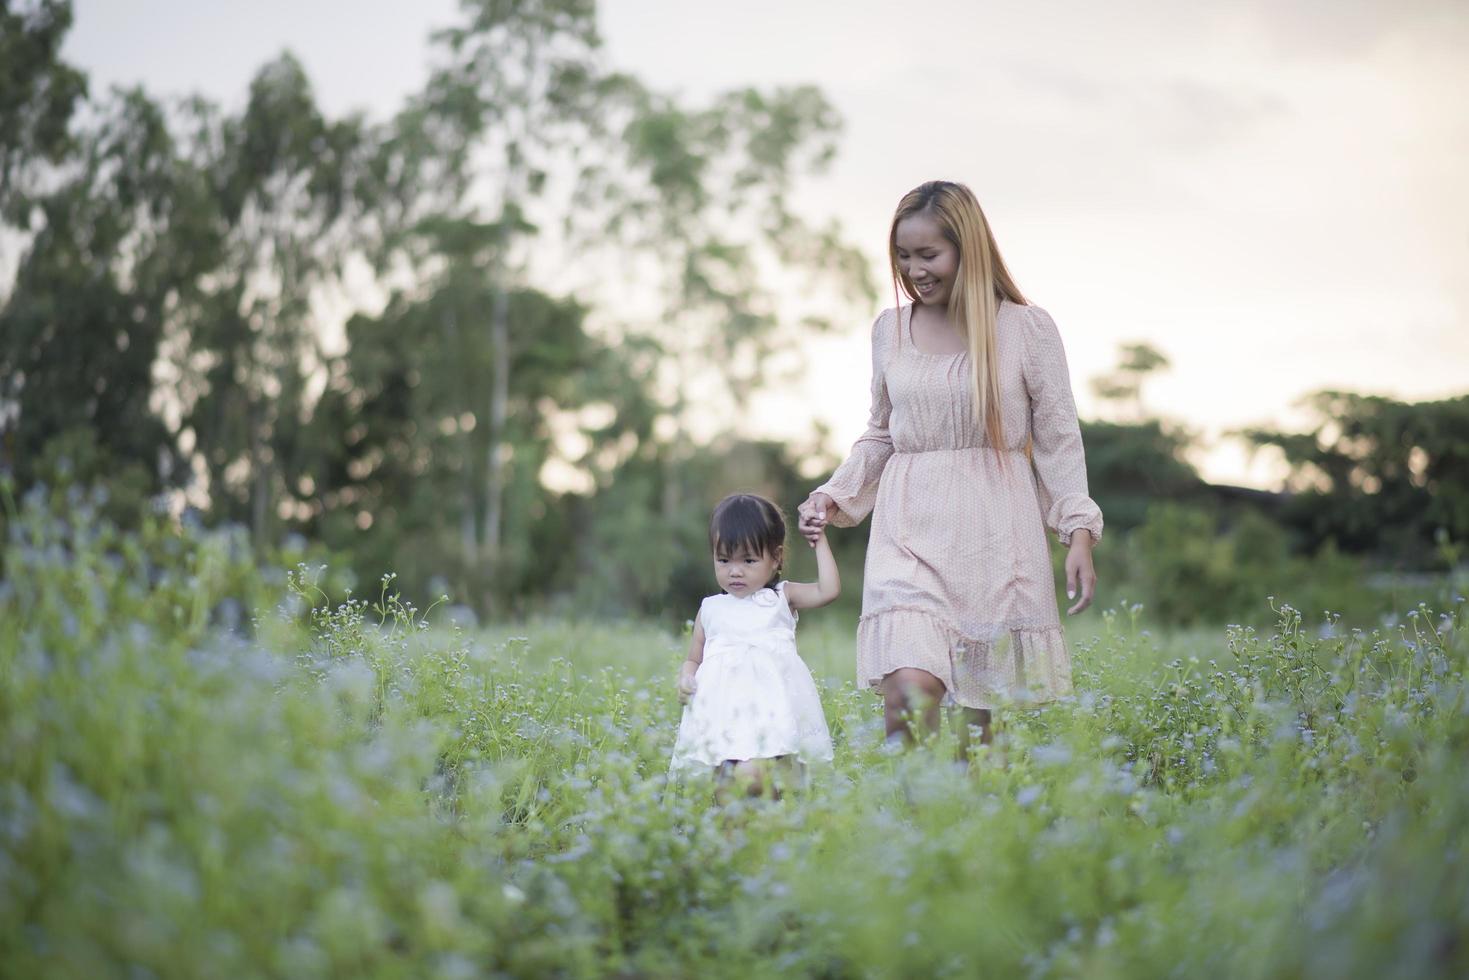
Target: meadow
(206,770)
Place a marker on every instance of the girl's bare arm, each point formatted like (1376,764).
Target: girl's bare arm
(828,584)
(686,681)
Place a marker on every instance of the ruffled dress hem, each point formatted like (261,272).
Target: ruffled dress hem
(811,751)
(1013,663)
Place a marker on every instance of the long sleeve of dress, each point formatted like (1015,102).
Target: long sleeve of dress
(1056,449)
(853,487)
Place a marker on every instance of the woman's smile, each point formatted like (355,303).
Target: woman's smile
(927,257)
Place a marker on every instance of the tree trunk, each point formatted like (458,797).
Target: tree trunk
(468,538)
(499,398)
(260,494)
(673,457)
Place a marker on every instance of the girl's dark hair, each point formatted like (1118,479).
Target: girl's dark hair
(746,521)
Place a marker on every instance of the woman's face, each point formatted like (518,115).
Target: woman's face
(929,259)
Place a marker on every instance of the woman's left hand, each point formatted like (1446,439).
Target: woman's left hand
(1080,575)
(814,514)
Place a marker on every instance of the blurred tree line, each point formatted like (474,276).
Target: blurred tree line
(486,427)
(1376,504)
(568,271)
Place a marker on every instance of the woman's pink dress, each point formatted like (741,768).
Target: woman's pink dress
(959,580)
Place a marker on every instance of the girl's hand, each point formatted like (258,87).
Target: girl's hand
(813,516)
(687,682)
(1080,575)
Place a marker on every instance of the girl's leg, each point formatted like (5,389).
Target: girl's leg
(745,777)
(752,775)
(787,772)
(909,689)
(723,778)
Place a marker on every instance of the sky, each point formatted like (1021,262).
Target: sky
(1271,193)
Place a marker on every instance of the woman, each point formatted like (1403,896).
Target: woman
(972,450)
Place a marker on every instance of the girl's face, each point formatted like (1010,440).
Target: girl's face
(741,572)
(929,259)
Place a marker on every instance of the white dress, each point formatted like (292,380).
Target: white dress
(754,698)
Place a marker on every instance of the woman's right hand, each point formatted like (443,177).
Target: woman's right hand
(813,516)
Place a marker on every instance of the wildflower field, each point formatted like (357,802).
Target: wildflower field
(204,772)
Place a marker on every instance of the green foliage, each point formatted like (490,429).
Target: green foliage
(1124,385)
(649,557)
(276,227)
(337,788)
(710,204)
(38,95)
(1131,465)
(410,398)
(87,318)
(1378,475)
(1189,567)
(484,434)
(164,329)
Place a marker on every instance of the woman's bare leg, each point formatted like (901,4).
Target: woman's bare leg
(909,689)
(969,719)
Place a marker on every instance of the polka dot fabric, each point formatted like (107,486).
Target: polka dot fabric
(958,579)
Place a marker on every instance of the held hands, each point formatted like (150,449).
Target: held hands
(687,682)
(813,516)
(1080,575)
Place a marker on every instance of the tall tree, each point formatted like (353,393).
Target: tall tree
(84,324)
(38,95)
(711,207)
(525,134)
(1123,386)
(281,181)
(1137,461)
(415,453)
(511,96)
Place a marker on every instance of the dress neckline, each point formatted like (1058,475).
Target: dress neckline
(908,329)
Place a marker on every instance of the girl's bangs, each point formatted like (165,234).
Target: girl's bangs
(745,524)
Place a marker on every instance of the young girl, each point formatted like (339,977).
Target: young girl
(749,696)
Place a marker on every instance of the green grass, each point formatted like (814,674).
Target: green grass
(340,789)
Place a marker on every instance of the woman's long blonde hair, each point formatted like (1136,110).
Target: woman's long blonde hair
(981,283)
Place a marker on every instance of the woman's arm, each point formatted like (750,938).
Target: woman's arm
(1059,458)
(852,489)
(1056,449)
(828,584)
(687,683)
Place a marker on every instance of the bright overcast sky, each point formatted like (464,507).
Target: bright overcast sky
(1272,193)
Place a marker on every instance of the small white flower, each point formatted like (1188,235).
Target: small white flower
(765,597)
